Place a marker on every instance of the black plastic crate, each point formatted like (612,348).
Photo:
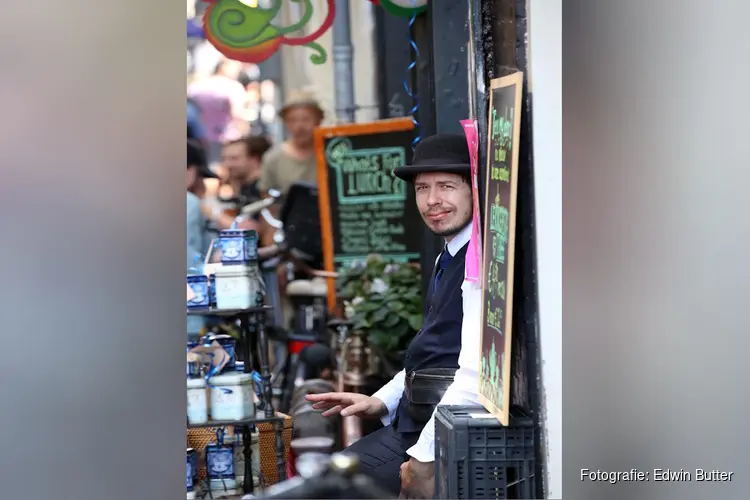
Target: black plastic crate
(479,458)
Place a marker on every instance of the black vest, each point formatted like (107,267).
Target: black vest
(438,343)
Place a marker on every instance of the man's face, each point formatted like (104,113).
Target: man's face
(300,122)
(444,201)
(235,160)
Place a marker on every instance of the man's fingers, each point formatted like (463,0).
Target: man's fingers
(320,397)
(332,397)
(354,409)
(333,411)
(323,405)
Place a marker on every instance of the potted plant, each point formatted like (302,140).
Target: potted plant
(382,298)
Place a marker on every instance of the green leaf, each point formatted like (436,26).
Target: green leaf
(375,336)
(415,321)
(360,322)
(380,315)
(403,330)
(392,320)
(369,306)
(395,305)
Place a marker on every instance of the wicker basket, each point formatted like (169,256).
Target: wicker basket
(267,446)
(200,437)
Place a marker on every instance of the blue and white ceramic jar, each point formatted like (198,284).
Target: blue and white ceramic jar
(189,478)
(232,396)
(238,287)
(197,401)
(220,467)
(198,283)
(238,246)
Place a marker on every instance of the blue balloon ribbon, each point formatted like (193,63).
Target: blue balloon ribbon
(215,371)
(407,87)
(258,383)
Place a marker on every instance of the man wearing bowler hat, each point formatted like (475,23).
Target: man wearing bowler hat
(440,175)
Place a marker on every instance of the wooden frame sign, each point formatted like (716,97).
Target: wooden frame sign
(504,130)
(364,208)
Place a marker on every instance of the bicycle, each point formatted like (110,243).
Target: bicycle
(326,476)
(296,247)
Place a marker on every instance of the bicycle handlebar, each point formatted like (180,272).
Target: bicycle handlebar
(258,206)
(255,207)
(269,252)
(271,220)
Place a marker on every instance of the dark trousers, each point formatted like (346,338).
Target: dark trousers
(381,455)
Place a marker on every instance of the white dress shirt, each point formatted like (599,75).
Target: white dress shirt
(463,390)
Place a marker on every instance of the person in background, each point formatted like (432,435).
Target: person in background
(242,159)
(195,128)
(197,171)
(319,361)
(219,219)
(400,456)
(221,99)
(197,237)
(294,160)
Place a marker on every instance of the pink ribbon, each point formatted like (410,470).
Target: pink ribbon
(474,252)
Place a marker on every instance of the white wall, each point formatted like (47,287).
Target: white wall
(545,77)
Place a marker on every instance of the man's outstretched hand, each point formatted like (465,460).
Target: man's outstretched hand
(347,404)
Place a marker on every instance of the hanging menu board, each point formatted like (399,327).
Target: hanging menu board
(499,243)
(364,208)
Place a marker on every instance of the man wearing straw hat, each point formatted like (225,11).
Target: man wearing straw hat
(294,159)
(400,456)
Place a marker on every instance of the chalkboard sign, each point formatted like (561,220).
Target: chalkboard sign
(499,243)
(364,208)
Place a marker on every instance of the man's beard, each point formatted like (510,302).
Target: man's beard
(304,141)
(453,231)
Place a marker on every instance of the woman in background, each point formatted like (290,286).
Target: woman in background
(221,99)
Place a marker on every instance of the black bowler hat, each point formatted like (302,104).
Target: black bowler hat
(447,153)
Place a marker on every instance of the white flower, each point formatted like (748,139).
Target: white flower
(357,301)
(391,268)
(378,286)
(348,310)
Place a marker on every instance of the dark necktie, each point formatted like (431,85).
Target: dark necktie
(443,261)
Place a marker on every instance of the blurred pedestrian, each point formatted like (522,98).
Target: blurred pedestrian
(195,128)
(242,159)
(221,99)
(294,160)
(197,171)
(198,239)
